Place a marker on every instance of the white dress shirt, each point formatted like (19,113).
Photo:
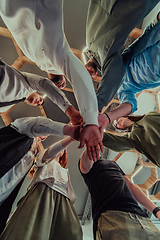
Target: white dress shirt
(37,27)
(38,126)
(15,85)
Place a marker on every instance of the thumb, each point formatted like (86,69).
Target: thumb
(81,145)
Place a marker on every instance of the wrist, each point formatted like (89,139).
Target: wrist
(155,210)
(108,117)
(69,111)
(67,130)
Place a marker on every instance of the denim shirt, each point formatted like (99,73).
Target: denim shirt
(142,66)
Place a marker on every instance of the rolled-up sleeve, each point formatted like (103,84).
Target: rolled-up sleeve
(45,86)
(127,93)
(38,126)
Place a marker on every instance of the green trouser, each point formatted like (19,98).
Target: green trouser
(109,23)
(117,225)
(43,214)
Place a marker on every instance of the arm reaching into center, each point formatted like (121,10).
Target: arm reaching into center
(141,197)
(41,126)
(120,111)
(92,137)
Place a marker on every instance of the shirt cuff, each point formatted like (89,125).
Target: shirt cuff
(90,118)
(65,106)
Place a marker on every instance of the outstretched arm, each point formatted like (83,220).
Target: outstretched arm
(44,85)
(120,111)
(74,115)
(85,163)
(141,197)
(120,143)
(41,126)
(56,95)
(59,98)
(48,154)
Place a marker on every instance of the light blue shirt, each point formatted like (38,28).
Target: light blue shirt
(142,72)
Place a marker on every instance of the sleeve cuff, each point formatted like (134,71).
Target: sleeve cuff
(90,118)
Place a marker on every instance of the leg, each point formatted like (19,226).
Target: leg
(125,226)
(43,214)
(108,25)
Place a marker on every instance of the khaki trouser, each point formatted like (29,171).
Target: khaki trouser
(117,225)
(43,214)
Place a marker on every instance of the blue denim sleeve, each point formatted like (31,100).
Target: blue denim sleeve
(127,93)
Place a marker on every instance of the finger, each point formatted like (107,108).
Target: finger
(82,142)
(101,147)
(89,152)
(94,153)
(81,120)
(82,123)
(97,151)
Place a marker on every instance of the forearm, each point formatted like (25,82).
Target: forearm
(38,126)
(74,115)
(140,196)
(57,147)
(46,155)
(67,141)
(55,94)
(143,199)
(85,163)
(43,85)
(83,89)
(120,111)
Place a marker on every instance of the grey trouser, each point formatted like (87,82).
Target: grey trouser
(117,225)
(109,22)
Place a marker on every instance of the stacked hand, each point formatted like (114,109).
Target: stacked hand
(92,137)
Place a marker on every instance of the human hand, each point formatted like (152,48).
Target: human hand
(103,121)
(74,115)
(76,118)
(72,131)
(92,137)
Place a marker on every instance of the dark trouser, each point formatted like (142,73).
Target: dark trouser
(109,22)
